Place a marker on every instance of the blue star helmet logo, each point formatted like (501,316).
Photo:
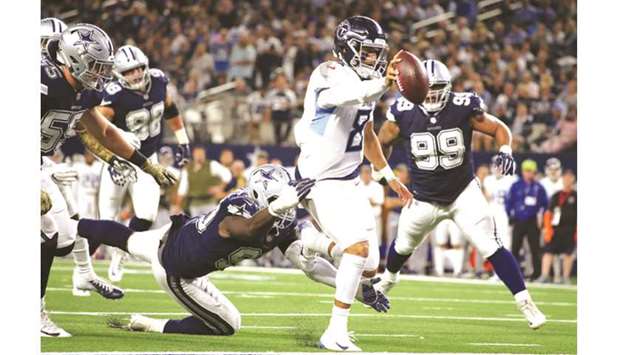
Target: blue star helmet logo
(86,36)
(267,174)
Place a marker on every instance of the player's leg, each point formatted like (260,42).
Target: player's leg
(471,213)
(346,217)
(414,224)
(212,313)
(110,203)
(440,239)
(457,253)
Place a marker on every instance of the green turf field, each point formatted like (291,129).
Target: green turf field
(288,312)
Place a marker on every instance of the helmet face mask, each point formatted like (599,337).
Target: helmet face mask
(51,29)
(361,44)
(127,59)
(440,84)
(87,51)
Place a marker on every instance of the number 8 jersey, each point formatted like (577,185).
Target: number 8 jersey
(439,144)
(139,112)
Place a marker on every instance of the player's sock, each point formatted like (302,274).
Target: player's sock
(140,225)
(105,232)
(47,258)
(507,270)
(395,261)
(347,282)
(189,325)
(438,260)
(81,256)
(457,261)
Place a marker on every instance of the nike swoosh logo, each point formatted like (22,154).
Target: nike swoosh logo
(342,347)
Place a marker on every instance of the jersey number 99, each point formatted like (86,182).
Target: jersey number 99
(445,150)
(146,123)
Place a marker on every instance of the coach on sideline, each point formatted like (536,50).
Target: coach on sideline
(525,203)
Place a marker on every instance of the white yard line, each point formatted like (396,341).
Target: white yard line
(251,353)
(263,294)
(294,315)
(505,344)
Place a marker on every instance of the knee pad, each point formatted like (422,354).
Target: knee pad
(64,251)
(140,225)
(372,261)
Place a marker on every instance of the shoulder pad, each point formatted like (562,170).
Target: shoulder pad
(157,73)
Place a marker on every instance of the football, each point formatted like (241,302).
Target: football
(412,81)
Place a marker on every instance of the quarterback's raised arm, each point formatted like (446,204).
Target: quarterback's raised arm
(362,92)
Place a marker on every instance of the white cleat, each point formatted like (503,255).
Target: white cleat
(140,323)
(337,342)
(535,317)
(76,280)
(49,329)
(115,270)
(92,282)
(387,282)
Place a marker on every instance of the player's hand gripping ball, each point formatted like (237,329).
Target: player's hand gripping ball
(411,80)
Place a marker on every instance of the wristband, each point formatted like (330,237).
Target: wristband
(181,136)
(137,158)
(505,149)
(388,173)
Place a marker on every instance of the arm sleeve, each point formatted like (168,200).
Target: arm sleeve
(221,171)
(347,94)
(183,184)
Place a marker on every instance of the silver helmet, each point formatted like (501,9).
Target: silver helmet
(265,184)
(88,53)
(51,28)
(127,58)
(440,83)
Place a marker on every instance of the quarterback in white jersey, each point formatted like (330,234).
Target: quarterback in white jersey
(496,187)
(335,134)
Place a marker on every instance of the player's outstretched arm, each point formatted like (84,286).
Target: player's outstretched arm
(374,153)
(388,133)
(356,93)
(175,123)
(492,126)
(110,137)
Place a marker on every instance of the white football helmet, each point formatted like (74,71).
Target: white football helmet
(127,58)
(88,53)
(264,184)
(440,83)
(51,28)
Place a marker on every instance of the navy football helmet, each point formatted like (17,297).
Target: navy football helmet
(355,39)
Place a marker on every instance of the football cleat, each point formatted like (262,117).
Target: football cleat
(49,329)
(331,340)
(115,270)
(386,282)
(94,283)
(535,317)
(76,291)
(140,323)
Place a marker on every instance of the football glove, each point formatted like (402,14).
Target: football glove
(46,202)
(373,298)
(182,155)
(162,175)
(506,163)
(121,171)
(290,196)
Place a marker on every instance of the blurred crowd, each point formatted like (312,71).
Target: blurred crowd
(240,68)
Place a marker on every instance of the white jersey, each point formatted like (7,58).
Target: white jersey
(551,187)
(498,188)
(337,106)
(87,187)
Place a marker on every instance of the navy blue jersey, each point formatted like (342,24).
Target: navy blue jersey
(139,112)
(195,248)
(440,145)
(61,106)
